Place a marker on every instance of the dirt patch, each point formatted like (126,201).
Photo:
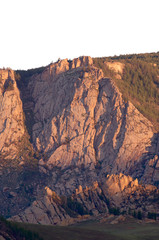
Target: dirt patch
(117,67)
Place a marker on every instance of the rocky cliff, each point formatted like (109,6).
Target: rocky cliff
(81,131)
(11,115)
(81,121)
(117,194)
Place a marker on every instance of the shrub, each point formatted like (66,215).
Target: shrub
(115,211)
(139,215)
(152,215)
(72,207)
(134,214)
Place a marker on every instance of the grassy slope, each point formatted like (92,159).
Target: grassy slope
(96,230)
(10,230)
(139,82)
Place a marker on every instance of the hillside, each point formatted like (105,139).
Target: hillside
(11,231)
(137,79)
(70,131)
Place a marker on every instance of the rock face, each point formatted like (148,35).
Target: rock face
(128,195)
(81,121)
(64,113)
(91,144)
(116,192)
(116,67)
(45,211)
(11,115)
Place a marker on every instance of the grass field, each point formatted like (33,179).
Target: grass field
(97,231)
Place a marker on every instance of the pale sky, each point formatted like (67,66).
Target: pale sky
(34,33)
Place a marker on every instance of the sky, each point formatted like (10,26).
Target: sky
(34,33)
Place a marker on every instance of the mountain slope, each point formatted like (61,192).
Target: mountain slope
(81,129)
(118,194)
(81,120)
(137,77)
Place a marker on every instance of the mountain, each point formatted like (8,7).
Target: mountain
(118,194)
(72,144)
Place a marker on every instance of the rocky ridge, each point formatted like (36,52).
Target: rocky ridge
(81,120)
(83,131)
(118,193)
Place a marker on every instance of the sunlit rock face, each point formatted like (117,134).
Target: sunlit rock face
(116,192)
(11,115)
(90,144)
(81,121)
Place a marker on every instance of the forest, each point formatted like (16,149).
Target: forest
(138,83)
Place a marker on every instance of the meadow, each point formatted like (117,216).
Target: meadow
(94,230)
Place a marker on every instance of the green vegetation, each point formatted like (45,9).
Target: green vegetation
(146,57)
(12,229)
(139,215)
(152,215)
(100,63)
(115,211)
(72,207)
(139,82)
(92,230)
(140,85)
